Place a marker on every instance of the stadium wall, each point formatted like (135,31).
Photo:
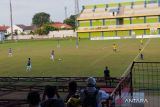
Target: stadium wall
(118,33)
(83,35)
(109,22)
(108,34)
(62,33)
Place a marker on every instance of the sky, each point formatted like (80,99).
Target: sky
(23,10)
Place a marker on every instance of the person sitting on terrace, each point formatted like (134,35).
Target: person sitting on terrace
(53,100)
(33,99)
(91,96)
(73,98)
(72,89)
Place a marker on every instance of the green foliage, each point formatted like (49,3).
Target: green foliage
(71,21)
(31,33)
(39,19)
(45,29)
(40,31)
(49,28)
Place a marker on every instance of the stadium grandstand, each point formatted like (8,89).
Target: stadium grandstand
(119,19)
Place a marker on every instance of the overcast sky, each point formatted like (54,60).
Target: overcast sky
(23,10)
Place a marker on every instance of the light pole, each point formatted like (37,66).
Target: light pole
(65,9)
(11,19)
(76,24)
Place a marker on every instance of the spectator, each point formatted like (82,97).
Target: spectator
(115,48)
(73,98)
(72,89)
(10,52)
(52,55)
(106,75)
(53,100)
(33,99)
(91,97)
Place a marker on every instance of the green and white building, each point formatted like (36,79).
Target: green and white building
(120,19)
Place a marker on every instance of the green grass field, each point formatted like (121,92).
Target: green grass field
(89,59)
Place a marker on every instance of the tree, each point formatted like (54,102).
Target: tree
(45,29)
(40,19)
(71,21)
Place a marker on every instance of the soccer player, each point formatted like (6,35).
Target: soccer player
(114,48)
(29,65)
(10,52)
(140,49)
(52,55)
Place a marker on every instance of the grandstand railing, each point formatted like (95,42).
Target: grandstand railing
(48,79)
(9,85)
(120,27)
(37,83)
(108,16)
(12,103)
(128,12)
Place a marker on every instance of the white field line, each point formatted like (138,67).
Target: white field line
(146,44)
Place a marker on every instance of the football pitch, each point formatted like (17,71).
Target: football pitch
(89,59)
